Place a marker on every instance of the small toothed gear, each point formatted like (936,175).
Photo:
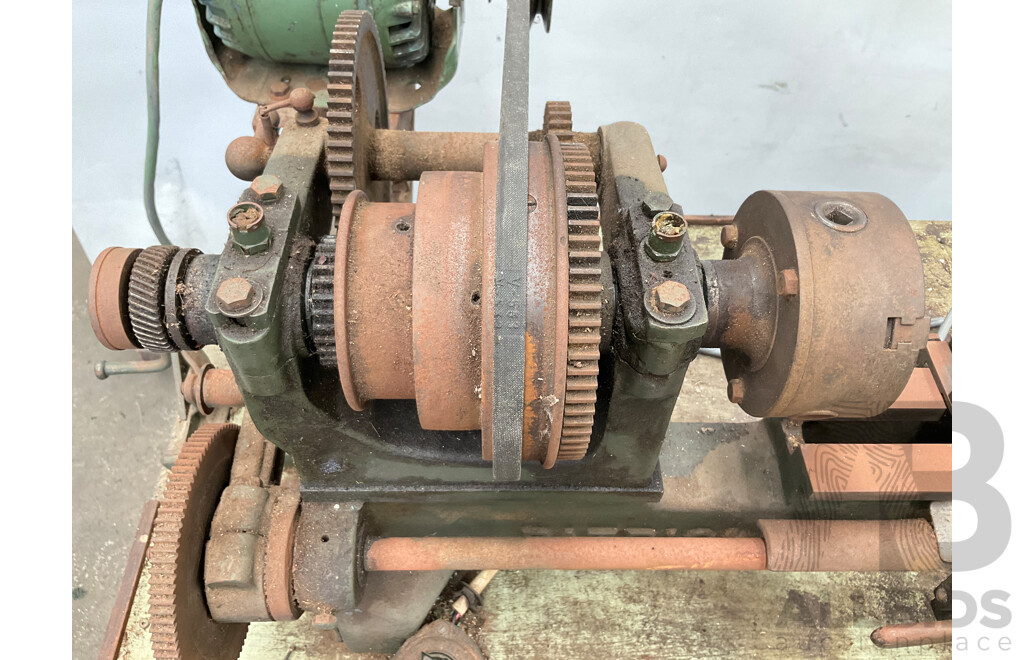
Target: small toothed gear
(558,120)
(585,293)
(146,297)
(180,625)
(320,302)
(352,114)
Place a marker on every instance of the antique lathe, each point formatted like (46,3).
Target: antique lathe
(483,375)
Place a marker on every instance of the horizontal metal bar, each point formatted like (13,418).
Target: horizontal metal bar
(566,553)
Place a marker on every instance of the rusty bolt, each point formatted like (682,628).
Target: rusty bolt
(736,390)
(280,88)
(730,237)
(245,216)
(662,163)
(671,297)
(267,187)
(235,294)
(324,621)
(787,283)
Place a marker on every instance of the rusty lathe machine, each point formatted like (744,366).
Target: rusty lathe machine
(484,378)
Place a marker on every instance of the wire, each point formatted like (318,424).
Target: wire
(153,117)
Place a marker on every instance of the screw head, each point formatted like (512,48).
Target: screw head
(280,88)
(730,237)
(656,202)
(662,163)
(787,283)
(671,297)
(267,187)
(236,295)
(735,390)
(325,621)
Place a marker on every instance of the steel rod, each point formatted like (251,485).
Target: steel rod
(568,553)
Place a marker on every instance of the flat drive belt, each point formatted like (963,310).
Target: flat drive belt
(510,248)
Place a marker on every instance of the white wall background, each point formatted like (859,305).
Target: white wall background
(738,95)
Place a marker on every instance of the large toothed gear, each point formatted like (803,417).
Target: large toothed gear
(356,103)
(146,297)
(585,302)
(180,624)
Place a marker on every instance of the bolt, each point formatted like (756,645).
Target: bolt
(941,595)
(662,163)
(730,237)
(245,216)
(280,88)
(736,390)
(787,283)
(267,187)
(235,295)
(656,202)
(671,297)
(327,622)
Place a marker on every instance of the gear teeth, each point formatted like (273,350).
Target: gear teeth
(558,120)
(352,25)
(320,302)
(585,293)
(146,297)
(169,580)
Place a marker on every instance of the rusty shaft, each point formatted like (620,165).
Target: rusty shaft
(569,553)
(405,155)
(924,633)
(212,388)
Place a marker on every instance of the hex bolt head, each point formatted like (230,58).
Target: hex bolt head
(656,202)
(280,88)
(735,390)
(325,621)
(267,187)
(787,283)
(671,297)
(235,295)
(730,237)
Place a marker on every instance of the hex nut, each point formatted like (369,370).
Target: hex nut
(325,621)
(787,283)
(267,187)
(656,202)
(735,390)
(280,88)
(671,297)
(730,237)
(235,295)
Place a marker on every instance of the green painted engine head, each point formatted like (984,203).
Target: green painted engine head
(254,43)
(299,31)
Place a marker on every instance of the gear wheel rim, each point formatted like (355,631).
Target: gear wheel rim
(585,301)
(180,625)
(355,63)
(146,297)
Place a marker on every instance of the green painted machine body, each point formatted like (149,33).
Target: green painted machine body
(299,31)
(254,43)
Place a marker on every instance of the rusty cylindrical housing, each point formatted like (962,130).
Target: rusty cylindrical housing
(413,293)
(819,306)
